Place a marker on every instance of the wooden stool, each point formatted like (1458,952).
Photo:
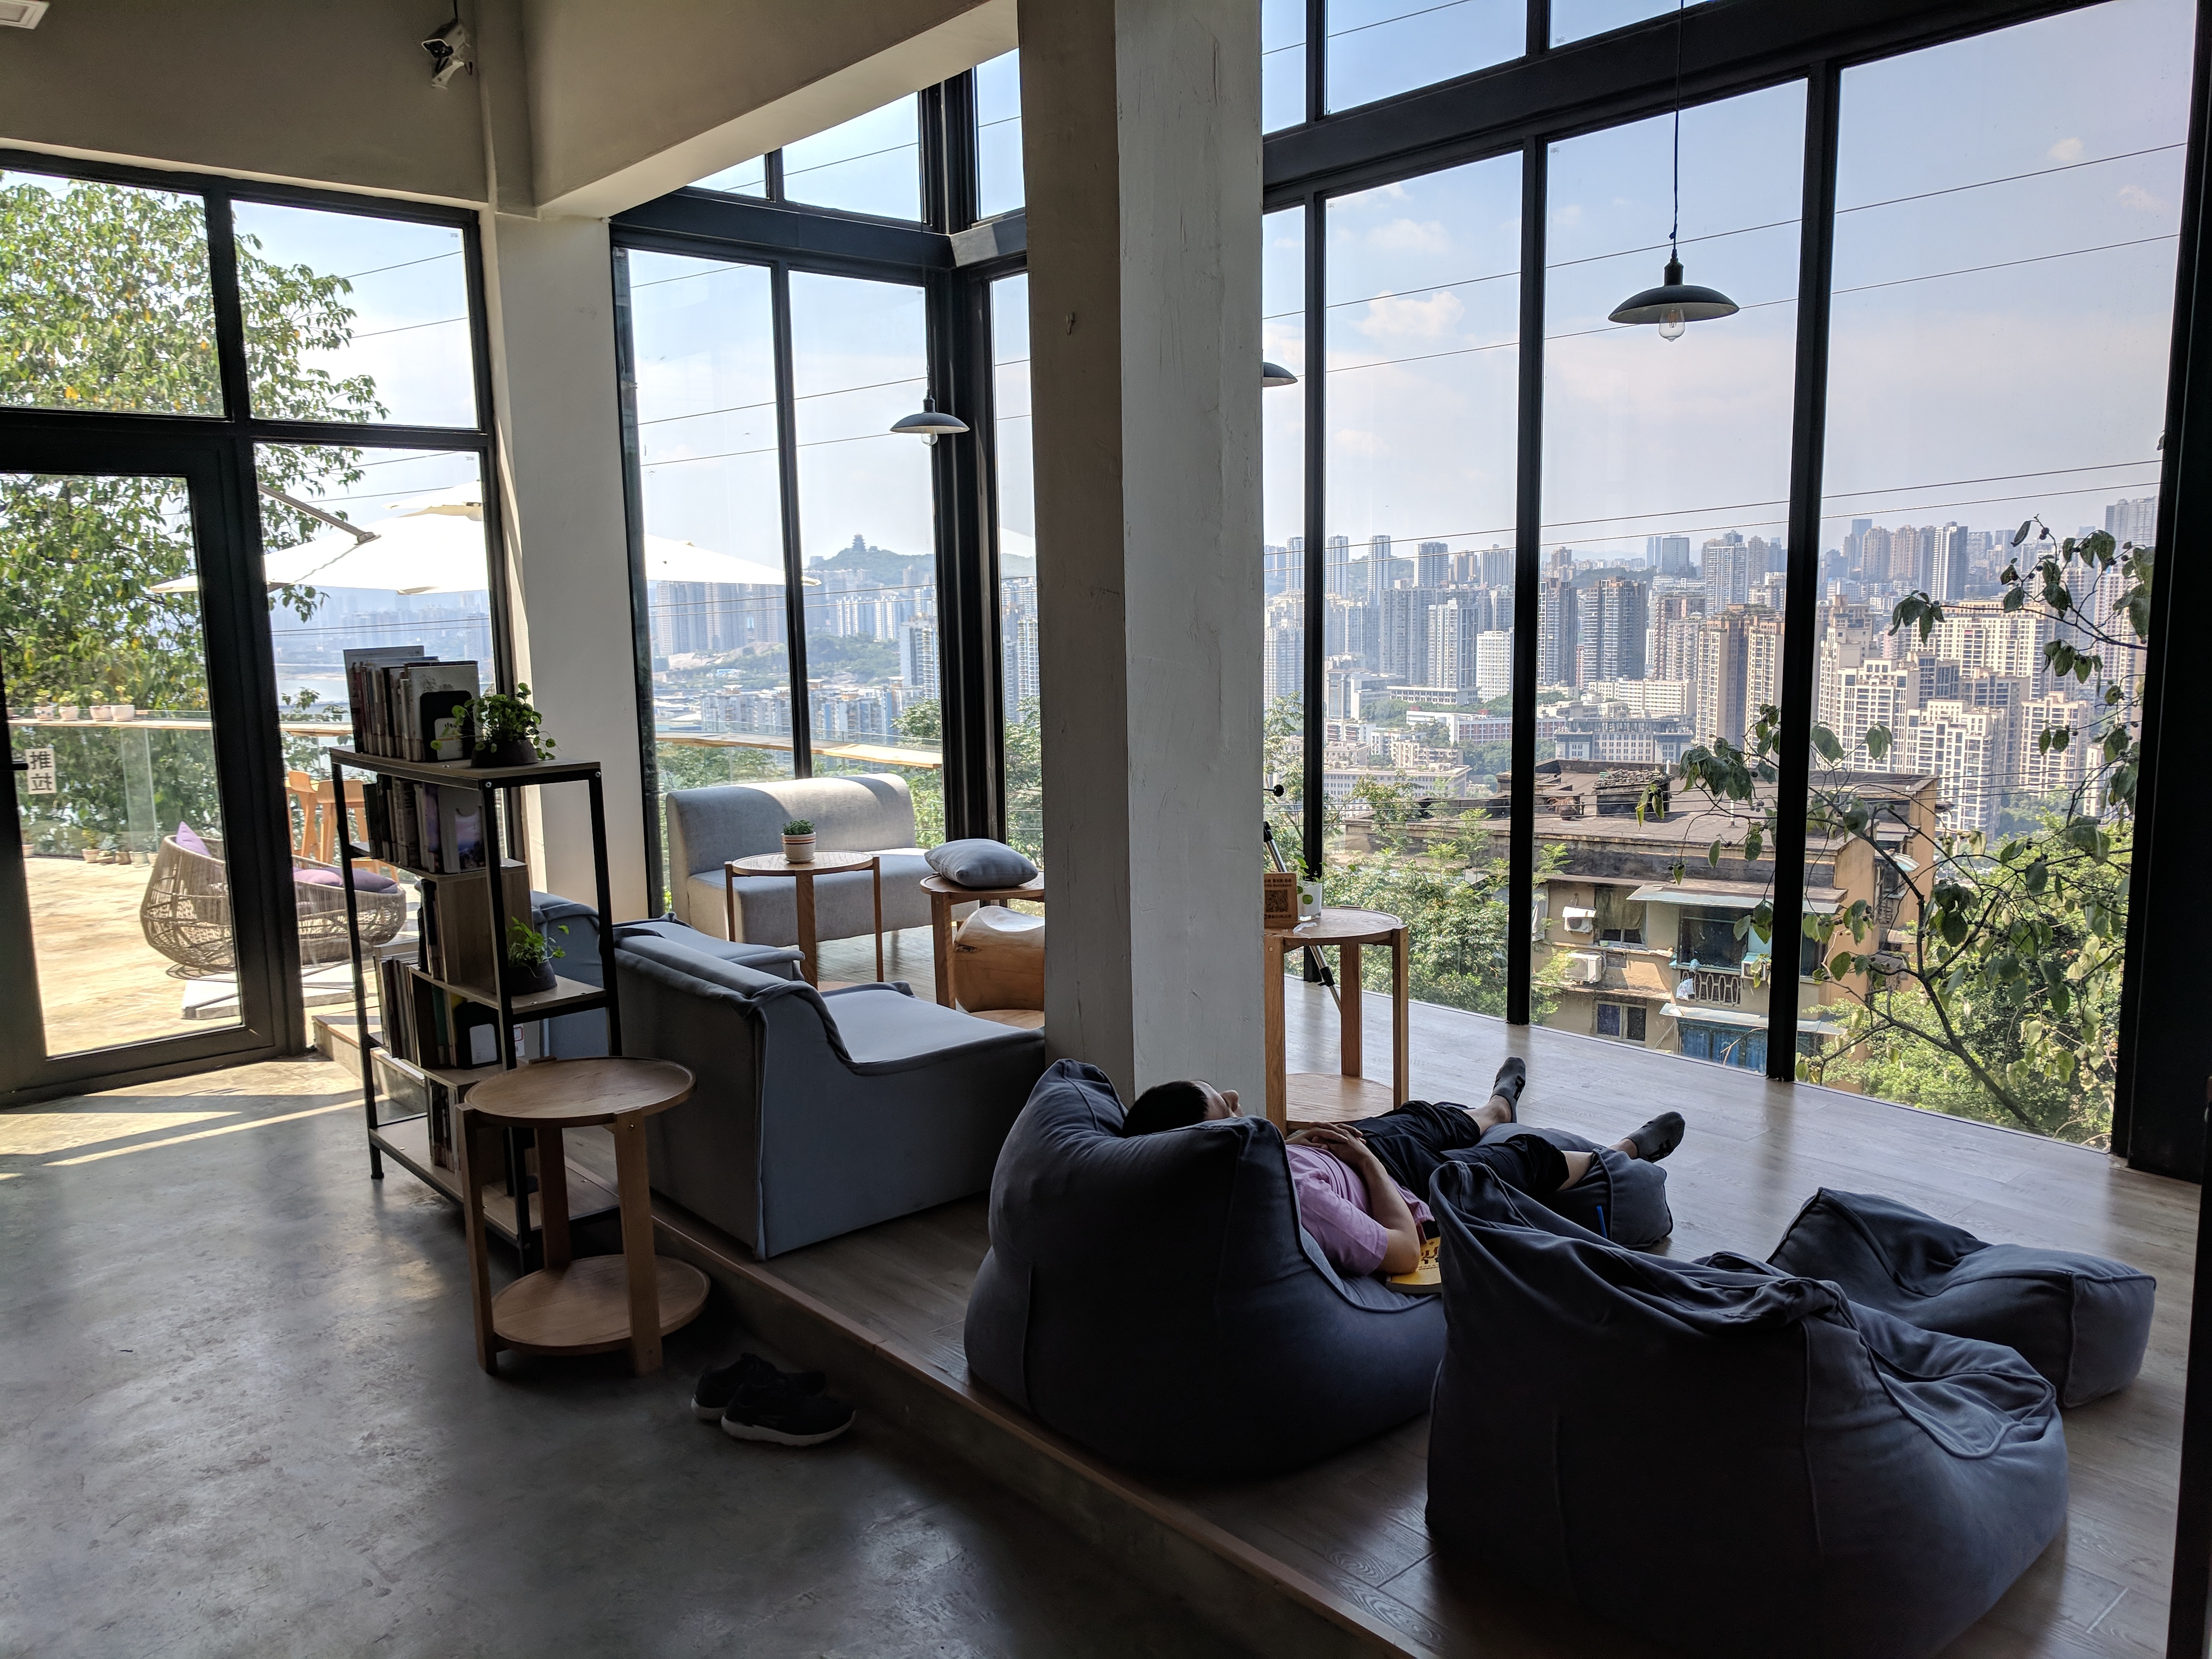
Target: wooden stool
(601,1302)
(944,898)
(1318,1096)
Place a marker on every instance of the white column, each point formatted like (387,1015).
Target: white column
(1140,126)
(549,288)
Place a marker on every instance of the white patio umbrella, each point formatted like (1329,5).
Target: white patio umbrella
(437,546)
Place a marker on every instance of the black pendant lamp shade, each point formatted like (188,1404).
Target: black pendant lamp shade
(1673,303)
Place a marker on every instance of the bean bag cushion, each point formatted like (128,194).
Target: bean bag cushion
(1624,1198)
(1156,1300)
(2081,1321)
(1720,1457)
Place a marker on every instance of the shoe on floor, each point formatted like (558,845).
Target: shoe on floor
(779,1410)
(715,1388)
(1512,1077)
(1659,1137)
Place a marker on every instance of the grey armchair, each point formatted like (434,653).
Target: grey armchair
(816,1114)
(869,813)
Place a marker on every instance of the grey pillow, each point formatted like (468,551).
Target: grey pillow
(980,863)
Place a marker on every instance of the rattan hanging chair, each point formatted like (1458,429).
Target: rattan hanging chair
(186,913)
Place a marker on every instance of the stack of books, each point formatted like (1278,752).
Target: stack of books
(425,827)
(406,705)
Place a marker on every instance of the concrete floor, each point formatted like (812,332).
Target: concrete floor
(242,1417)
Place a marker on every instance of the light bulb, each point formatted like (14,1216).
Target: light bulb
(1672,324)
(930,437)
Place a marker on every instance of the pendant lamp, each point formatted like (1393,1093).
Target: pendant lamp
(930,424)
(1675,304)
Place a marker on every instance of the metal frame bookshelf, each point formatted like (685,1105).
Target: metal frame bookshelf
(406,1141)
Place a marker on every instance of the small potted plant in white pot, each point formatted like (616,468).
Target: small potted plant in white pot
(798,841)
(1309,892)
(530,959)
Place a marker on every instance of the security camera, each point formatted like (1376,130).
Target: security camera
(449,52)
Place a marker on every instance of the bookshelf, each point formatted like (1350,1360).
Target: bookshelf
(418,1141)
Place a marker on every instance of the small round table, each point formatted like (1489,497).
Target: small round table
(601,1303)
(824,864)
(1320,1096)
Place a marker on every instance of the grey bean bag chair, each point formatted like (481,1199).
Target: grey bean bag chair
(1719,1456)
(1157,1301)
(2081,1321)
(1624,1198)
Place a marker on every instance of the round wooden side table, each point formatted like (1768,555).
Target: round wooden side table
(601,1303)
(1320,1096)
(824,864)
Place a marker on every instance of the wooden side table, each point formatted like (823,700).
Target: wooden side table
(943,895)
(1318,1096)
(825,863)
(601,1302)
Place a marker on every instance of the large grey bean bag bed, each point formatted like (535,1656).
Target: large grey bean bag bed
(1718,1455)
(2081,1321)
(1157,1301)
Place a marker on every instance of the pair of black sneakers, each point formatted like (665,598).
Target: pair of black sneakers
(754,1400)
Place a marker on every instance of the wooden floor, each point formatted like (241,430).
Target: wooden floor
(1348,1533)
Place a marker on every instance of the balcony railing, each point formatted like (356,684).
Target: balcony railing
(1716,985)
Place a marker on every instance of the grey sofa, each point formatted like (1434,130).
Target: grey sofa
(579,1036)
(1157,1300)
(815,1113)
(1725,1458)
(869,813)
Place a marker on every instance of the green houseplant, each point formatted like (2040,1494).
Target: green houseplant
(798,841)
(530,958)
(503,729)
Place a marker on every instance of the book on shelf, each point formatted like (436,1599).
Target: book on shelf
(455,923)
(427,699)
(361,678)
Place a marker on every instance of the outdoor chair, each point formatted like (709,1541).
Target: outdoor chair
(186,913)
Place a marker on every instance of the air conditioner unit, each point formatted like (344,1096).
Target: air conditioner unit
(1585,967)
(22,14)
(1578,920)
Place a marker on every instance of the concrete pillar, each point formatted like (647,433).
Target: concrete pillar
(549,288)
(1140,123)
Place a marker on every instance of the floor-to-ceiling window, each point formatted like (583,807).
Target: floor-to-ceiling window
(303,477)
(1666,500)
(1421,322)
(2002,299)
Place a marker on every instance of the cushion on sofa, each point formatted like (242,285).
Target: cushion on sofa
(2083,1321)
(1156,1300)
(977,862)
(1799,1473)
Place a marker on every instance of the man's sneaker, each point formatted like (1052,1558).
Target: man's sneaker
(780,1410)
(715,1388)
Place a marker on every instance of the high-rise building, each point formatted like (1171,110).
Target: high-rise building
(1493,664)
(2134,522)
(1455,625)
(1337,575)
(1498,567)
(1724,564)
(1874,555)
(1738,672)
(1283,652)
(1946,560)
(1968,748)
(1855,544)
(1668,554)
(1281,570)
(1432,565)
(1405,634)
(1610,621)
(918,669)
(1353,630)
(1556,654)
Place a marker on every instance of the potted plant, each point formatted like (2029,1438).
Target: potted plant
(798,841)
(1309,892)
(530,958)
(502,729)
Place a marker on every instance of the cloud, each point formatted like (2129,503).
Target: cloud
(2066,149)
(2142,201)
(1389,317)
(1570,214)
(1411,236)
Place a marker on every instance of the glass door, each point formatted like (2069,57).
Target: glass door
(138,919)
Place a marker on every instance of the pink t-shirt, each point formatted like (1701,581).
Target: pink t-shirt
(1333,1207)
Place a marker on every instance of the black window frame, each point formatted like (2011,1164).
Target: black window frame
(1727,48)
(248,758)
(952,257)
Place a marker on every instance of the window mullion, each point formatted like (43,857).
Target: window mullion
(794,592)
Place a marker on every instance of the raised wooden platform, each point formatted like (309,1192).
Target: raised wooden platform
(1335,1559)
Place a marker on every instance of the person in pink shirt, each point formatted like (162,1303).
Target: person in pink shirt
(1350,1178)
